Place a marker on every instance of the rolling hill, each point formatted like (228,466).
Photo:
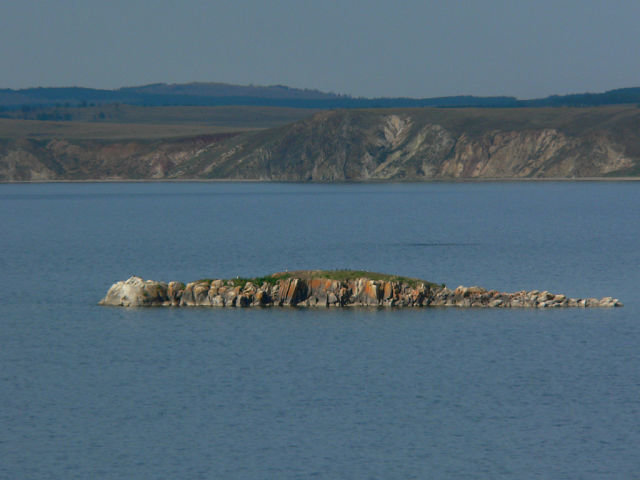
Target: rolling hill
(356,145)
(221,94)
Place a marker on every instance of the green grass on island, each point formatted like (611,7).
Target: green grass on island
(339,275)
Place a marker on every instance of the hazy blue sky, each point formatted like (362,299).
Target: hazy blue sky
(363,48)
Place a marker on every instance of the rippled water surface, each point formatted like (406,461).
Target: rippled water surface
(95,392)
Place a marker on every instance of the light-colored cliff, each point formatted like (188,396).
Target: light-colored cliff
(360,145)
(426,145)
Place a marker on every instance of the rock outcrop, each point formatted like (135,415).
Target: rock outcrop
(33,159)
(359,145)
(428,144)
(330,289)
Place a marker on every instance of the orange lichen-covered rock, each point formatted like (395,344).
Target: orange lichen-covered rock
(319,289)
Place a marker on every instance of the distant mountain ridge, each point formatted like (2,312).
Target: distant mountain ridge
(162,94)
(214,89)
(222,94)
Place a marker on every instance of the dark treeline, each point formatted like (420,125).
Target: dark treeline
(278,96)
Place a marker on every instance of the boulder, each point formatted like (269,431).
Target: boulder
(174,292)
(136,292)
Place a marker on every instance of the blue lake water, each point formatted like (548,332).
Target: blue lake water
(95,392)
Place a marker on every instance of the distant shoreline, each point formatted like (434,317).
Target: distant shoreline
(336,146)
(348,182)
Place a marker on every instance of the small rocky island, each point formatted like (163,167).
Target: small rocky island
(330,288)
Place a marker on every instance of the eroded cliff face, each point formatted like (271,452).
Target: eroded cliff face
(346,146)
(353,145)
(66,159)
(533,153)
